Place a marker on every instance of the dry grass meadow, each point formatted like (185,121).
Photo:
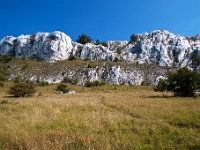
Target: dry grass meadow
(105,118)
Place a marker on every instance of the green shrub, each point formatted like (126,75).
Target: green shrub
(18,79)
(44,83)
(32,38)
(22,90)
(116,59)
(70,80)
(86,59)
(94,83)
(5,58)
(105,44)
(71,58)
(67,80)
(1,84)
(97,42)
(133,38)
(83,39)
(2,77)
(63,88)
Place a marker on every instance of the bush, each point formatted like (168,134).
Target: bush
(44,83)
(133,38)
(105,44)
(22,90)
(5,58)
(97,42)
(63,88)
(94,83)
(18,79)
(32,38)
(1,84)
(2,77)
(70,80)
(115,59)
(71,58)
(83,39)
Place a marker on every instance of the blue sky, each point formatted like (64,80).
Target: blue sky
(100,19)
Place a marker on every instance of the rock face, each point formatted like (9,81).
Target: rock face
(158,47)
(43,46)
(71,72)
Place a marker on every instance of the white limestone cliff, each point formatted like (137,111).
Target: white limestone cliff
(158,47)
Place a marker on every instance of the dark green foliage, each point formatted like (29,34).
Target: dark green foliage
(32,39)
(105,44)
(97,42)
(18,79)
(22,90)
(71,58)
(195,60)
(70,80)
(5,58)
(3,73)
(116,59)
(78,52)
(1,84)
(94,83)
(43,83)
(86,59)
(161,87)
(52,37)
(83,39)
(67,80)
(2,77)
(183,82)
(133,38)
(63,88)
(14,42)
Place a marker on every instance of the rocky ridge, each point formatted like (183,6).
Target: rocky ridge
(159,47)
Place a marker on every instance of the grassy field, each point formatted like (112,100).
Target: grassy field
(104,118)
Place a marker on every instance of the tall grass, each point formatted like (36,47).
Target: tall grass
(106,117)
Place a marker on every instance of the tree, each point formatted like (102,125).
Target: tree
(97,42)
(22,90)
(161,86)
(105,44)
(133,38)
(183,82)
(83,39)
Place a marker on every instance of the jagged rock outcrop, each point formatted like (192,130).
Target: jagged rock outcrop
(43,46)
(128,74)
(96,52)
(158,47)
